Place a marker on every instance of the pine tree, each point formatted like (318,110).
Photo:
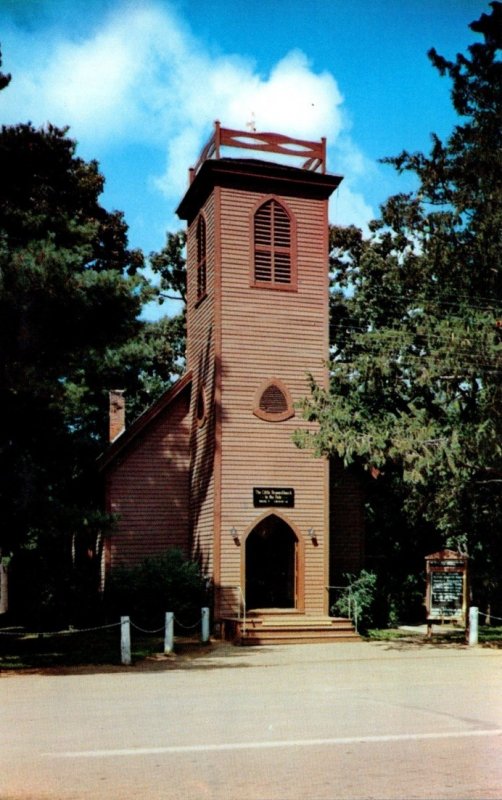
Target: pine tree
(415,394)
(71,294)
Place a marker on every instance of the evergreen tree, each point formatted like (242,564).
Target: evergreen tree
(71,292)
(170,265)
(415,394)
(70,295)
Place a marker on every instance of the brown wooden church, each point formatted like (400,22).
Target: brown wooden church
(211,467)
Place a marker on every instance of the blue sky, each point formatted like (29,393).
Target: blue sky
(141,82)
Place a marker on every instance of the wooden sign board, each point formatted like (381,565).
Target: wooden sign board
(446,591)
(267,497)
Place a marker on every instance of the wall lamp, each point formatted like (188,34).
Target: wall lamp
(235,535)
(313,538)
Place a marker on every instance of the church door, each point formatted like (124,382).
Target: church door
(271,564)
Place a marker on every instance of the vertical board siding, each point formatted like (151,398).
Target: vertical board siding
(148,490)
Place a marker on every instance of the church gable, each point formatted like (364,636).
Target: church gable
(146,474)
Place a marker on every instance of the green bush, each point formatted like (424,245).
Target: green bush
(166,583)
(358,600)
(382,600)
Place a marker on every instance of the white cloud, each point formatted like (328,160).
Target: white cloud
(90,85)
(141,77)
(291,100)
(348,207)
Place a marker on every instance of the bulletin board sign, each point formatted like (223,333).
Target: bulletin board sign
(446,590)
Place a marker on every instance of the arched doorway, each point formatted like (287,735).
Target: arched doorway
(271,565)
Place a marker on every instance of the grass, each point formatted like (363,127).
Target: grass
(32,651)
(487,635)
(385,634)
(490,635)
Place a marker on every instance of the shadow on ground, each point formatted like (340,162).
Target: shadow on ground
(68,655)
(451,639)
(44,657)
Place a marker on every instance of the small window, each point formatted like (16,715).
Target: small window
(201,258)
(273,402)
(273,251)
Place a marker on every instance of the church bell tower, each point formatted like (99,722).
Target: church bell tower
(257,327)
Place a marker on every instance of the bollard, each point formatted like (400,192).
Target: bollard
(125,641)
(473,625)
(205,625)
(169,633)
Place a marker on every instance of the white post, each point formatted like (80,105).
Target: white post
(169,633)
(473,625)
(205,625)
(125,641)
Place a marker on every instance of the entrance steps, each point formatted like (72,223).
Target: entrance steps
(287,626)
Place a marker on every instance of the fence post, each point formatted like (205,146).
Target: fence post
(473,625)
(125,641)
(169,633)
(205,625)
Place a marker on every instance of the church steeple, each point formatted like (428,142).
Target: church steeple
(257,325)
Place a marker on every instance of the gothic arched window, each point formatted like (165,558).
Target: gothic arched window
(273,246)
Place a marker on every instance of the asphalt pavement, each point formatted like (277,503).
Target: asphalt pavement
(385,721)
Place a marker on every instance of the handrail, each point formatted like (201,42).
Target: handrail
(351,602)
(243,599)
(314,153)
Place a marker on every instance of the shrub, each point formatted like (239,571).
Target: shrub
(382,600)
(357,601)
(165,583)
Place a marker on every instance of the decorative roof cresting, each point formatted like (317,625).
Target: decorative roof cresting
(313,154)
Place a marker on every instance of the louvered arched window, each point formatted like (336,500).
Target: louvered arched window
(273,246)
(201,257)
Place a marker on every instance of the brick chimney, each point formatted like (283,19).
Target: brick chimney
(116,413)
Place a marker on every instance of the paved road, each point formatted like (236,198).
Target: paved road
(311,722)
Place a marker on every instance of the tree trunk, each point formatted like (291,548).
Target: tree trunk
(4,586)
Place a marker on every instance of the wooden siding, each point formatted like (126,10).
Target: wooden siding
(239,337)
(147,488)
(269,334)
(187,478)
(201,361)
(347,522)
